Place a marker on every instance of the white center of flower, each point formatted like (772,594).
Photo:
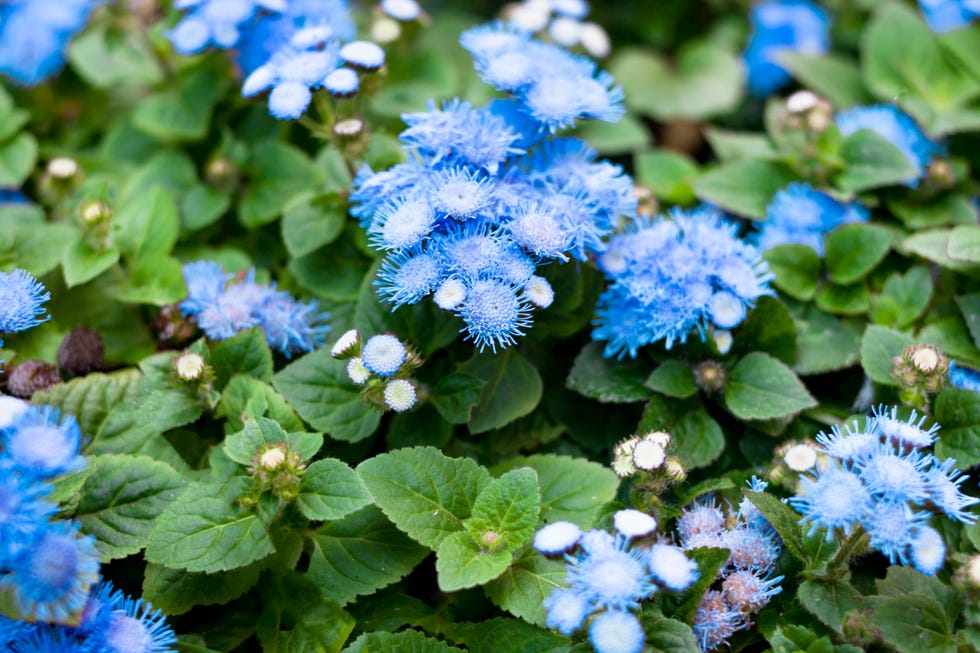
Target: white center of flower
(272,458)
(190,366)
(925,359)
(800,458)
(648,455)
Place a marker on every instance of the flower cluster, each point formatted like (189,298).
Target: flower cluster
(111,622)
(746,581)
(896,127)
(803,215)
(383,365)
(947,15)
(674,276)
(21,299)
(647,455)
(563,21)
(224,304)
(779,27)
(877,477)
(608,576)
(486,197)
(34,35)
(287,47)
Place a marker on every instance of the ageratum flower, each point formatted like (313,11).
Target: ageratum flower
(947,15)
(222,308)
(34,35)
(21,299)
(215,22)
(671,277)
(895,126)
(962,377)
(799,214)
(779,27)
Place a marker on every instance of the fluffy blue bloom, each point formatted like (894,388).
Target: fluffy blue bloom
(903,433)
(222,308)
(23,511)
(896,127)
(215,22)
(893,475)
(494,313)
(835,499)
(927,550)
(947,15)
(891,527)
(135,627)
(50,580)
(47,640)
(291,75)
(962,377)
(555,87)
(34,35)
(715,621)
(802,215)
(21,299)
(778,27)
(616,631)
(943,489)
(40,444)
(383,354)
(12,196)
(672,277)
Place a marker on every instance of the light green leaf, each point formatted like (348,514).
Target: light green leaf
(506,511)
(525,584)
(245,353)
(797,269)
(279,172)
(853,250)
(311,221)
(17,159)
(462,563)
(147,225)
(761,387)
(83,263)
(831,76)
(871,161)
(331,490)
(242,446)
(959,412)
(668,174)
(878,347)
(743,186)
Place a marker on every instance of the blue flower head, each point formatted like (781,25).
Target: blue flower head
(40,444)
(383,355)
(34,35)
(927,550)
(21,299)
(223,307)
(965,378)
(616,631)
(23,511)
(716,620)
(835,499)
(947,15)
(135,627)
(291,75)
(896,127)
(215,22)
(672,277)
(799,214)
(778,27)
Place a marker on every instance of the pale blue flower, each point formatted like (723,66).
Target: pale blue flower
(799,214)
(215,22)
(896,127)
(715,621)
(363,55)
(494,314)
(34,35)
(42,444)
(891,526)
(904,433)
(962,377)
(779,27)
(21,299)
(291,76)
(835,499)
(943,484)
(948,15)
(927,550)
(383,354)
(893,476)
(616,631)
(23,510)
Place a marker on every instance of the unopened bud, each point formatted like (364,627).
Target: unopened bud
(972,567)
(921,368)
(660,437)
(595,40)
(81,352)
(800,457)
(93,212)
(385,30)
(357,372)
(31,376)
(723,341)
(802,101)
(349,127)
(709,376)
(62,168)
(346,344)
(675,469)
(622,462)
(648,455)
(220,172)
(189,366)
(272,458)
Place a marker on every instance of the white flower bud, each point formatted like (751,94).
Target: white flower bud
(272,458)
(189,366)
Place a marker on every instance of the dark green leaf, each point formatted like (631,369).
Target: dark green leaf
(331,490)
(408,641)
(176,591)
(761,387)
(829,600)
(959,412)
(970,308)
(513,389)
(853,250)
(784,519)
(455,395)
(607,380)
(525,584)
(878,347)
(673,378)
(245,353)
(797,269)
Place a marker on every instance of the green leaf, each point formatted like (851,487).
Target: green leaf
(525,584)
(629,134)
(853,250)
(831,76)
(278,172)
(670,636)
(245,353)
(903,298)
(176,591)
(673,378)
(970,308)
(607,380)
(914,623)
(797,269)
(668,174)
(959,412)
(425,494)
(934,246)
(242,445)
(122,499)
(183,110)
(359,555)
(407,641)
(83,263)
(952,338)
(155,279)
(90,398)
(824,343)
(871,161)
(697,438)
(964,244)
(455,395)
(572,489)
(844,300)
(38,247)
(513,389)
(761,387)
(244,398)
(104,60)
(503,635)
(331,490)
(730,145)
(784,519)
(710,561)
(878,347)
(743,186)
(148,225)
(206,530)
(903,581)
(829,600)
(462,563)
(318,388)
(202,206)
(506,511)
(311,221)
(769,328)
(17,159)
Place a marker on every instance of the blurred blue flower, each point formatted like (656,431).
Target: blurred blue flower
(12,196)
(779,27)
(23,511)
(674,276)
(616,631)
(965,378)
(215,22)
(291,75)
(716,620)
(799,214)
(947,15)
(34,35)
(223,307)
(896,127)
(42,444)
(135,627)
(21,297)
(927,550)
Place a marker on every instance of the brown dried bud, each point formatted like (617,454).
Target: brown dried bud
(81,352)
(709,376)
(30,377)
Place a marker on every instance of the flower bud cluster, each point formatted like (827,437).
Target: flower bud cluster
(383,365)
(646,456)
(921,368)
(275,468)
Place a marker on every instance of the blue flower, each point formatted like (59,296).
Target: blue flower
(942,483)
(779,27)
(671,567)
(748,591)
(962,377)
(947,15)
(23,511)
(751,548)
(41,639)
(715,621)
(135,627)
(672,277)
(851,442)
(34,35)
(383,354)
(494,314)
(215,22)
(893,476)
(12,196)
(50,580)
(21,299)
(407,277)
(222,308)
(37,443)
(615,631)
(891,527)
(903,433)
(835,499)
(701,524)
(896,127)
(927,550)
(291,75)
(801,215)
